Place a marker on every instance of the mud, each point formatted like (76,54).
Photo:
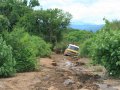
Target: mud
(60,73)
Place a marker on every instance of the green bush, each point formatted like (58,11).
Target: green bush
(105,50)
(43,48)
(77,36)
(4,23)
(25,49)
(7,62)
(85,48)
(22,50)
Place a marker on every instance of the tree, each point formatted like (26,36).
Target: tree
(114,25)
(13,10)
(33,3)
(4,23)
(25,2)
(49,24)
(77,36)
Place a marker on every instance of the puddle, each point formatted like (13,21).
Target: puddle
(86,76)
(106,87)
(68,63)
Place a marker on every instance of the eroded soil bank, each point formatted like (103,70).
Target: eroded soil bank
(61,73)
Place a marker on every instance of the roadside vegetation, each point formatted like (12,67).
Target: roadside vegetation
(104,48)
(26,34)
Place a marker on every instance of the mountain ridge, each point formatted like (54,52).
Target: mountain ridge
(88,27)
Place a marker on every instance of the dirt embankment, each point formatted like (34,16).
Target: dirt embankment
(60,73)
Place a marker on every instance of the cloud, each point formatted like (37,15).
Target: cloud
(87,11)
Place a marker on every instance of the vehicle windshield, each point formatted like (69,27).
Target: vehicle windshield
(73,48)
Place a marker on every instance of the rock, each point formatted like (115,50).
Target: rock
(68,82)
(47,77)
(52,88)
(54,63)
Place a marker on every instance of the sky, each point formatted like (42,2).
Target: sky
(86,11)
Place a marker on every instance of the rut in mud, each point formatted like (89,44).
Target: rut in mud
(58,73)
(61,74)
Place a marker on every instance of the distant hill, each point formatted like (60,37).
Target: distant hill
(88,27)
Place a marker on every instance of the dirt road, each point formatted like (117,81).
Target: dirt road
(60,73)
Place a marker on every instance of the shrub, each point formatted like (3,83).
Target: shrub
(106,51)
(43,48)
(7,62)
(85,48)
(4,23)
(25,49)
(78,36)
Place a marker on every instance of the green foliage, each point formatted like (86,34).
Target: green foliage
(49,24)
(34,3)
(13,10)
(25,2)
(85,48)
(104,47)
(22,50)
(77,36)
(114,25)
(43,48)
(105,50)
(25,49)
(4,23)
(7,62)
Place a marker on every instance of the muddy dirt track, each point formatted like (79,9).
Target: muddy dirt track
(60,73)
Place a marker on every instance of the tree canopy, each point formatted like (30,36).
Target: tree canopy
(48,24)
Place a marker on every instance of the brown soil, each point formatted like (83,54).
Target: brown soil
(57,73)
